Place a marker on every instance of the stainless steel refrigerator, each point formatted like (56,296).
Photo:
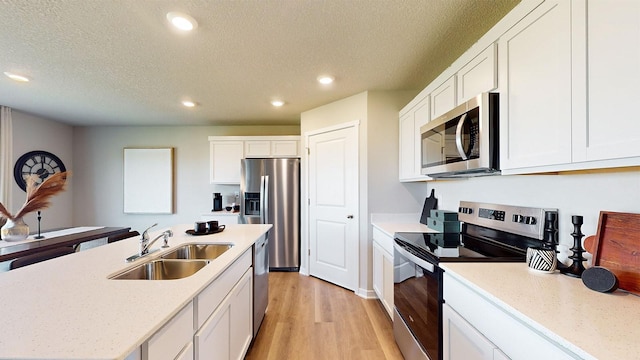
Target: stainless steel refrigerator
(270,194)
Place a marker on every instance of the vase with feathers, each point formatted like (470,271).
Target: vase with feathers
(38,198)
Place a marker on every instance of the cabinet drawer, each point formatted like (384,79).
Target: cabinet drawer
(385,241)
(169,341)
(209,299)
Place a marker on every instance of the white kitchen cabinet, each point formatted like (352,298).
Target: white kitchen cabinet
(443,98)
(174,336)
(611,129)
(410,152)
(383,269)
(536,88)
(225,156)
(227,333)
(479,75)
(272,146)
(461,341)
(481,321)
(187,353)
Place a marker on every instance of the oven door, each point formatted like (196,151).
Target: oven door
(417,296)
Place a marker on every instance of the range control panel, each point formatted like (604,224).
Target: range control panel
(525,221)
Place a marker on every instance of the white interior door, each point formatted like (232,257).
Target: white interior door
(333,206)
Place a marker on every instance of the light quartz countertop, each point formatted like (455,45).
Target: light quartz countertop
(589,323)
(392,223)
(68,308)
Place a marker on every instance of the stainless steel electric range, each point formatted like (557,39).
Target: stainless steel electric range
(489,233)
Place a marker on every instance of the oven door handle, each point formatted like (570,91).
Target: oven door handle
(425,265)
(459,144)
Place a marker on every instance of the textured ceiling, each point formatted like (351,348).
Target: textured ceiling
(116,62)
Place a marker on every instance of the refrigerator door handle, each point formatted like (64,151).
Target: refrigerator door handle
(264,199)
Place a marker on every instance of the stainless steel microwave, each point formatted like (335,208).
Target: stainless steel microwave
(464,141)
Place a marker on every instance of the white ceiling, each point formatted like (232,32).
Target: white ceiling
(116,62)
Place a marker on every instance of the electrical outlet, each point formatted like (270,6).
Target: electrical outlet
(237,193)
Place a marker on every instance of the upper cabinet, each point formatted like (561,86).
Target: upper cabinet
(225,156)
(535,88)
(225,153)
(443,98)
(568,73)
(478,76)
(411,119)
(611,129)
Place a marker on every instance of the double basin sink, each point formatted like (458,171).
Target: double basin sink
(179,263)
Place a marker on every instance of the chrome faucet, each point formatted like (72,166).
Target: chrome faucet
(145,244)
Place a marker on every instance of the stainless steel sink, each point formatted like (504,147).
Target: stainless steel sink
(162,270)
(198,251)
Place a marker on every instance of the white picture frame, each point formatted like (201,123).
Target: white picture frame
(148,180)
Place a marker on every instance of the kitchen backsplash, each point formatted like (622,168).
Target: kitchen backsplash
(579,193)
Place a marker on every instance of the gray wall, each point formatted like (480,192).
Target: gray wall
(35,133)
(98,173)
(583,193)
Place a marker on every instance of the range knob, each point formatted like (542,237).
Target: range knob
(465,210)
(530,220)
(518,218)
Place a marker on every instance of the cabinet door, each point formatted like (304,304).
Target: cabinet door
(241,316)
(407,160)
(169,341)
(387,282)
(378,258)
(479,75)
(461,341)
(443,98)
(187,353)
(212,340)
(535,81)
(282,148)
(225,159)
(257,148)
(613,67)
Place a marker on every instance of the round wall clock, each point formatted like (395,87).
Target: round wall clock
(39,162)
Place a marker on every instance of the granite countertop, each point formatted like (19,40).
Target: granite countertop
(68,308)
(589,323)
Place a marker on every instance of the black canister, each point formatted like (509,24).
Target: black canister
(217,202)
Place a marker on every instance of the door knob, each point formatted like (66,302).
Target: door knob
(349,216)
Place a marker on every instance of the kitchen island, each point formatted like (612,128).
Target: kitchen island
(543,312)
(68,308)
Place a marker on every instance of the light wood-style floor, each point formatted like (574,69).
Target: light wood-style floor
(308,318)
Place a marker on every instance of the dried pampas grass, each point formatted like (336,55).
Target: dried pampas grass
(38,197)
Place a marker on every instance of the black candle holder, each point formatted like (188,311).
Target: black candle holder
(39,236)
(576,268)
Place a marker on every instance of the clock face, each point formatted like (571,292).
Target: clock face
(40,163)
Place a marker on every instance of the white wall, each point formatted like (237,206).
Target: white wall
(98,173)
(576,193)
(379,189)
(35,133)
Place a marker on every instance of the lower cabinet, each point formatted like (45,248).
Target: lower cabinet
(383,271)
(474,327)
(462,341)
(221,315)
(228,331)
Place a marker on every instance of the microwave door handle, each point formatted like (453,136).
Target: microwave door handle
(459,145)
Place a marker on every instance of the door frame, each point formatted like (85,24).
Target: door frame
(304,198)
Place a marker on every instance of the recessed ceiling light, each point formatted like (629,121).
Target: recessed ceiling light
(325,79)
(188,103)
(277,103)
(16,77)
(182,21)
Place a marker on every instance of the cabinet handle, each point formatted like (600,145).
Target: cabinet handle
(349,216)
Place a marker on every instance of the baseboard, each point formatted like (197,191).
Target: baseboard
(366,294)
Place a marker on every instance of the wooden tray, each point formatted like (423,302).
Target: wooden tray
(616,246)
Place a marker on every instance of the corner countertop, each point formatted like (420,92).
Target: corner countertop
(68,308)
(393,223)
(589,323)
